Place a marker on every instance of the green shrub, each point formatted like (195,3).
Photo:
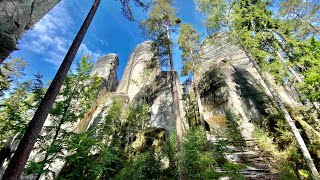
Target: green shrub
(144,166)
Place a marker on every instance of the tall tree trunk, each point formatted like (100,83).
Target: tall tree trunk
(317,30)
(5,151)
(174,91)
(20,157)
(301,144)
(200,108)
(63,119)
(176,109)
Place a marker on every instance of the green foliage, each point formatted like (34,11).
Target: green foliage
(197,155)
(286,171)
(285,158)
(75,99)
(10,72)
(126,8)
(219,151)
(80,164)
(144,166)
(161,21)
(13,117)
(234,132)
(138,114)
(217,14)
(18,108)
(38,89)
(189,43)
(34,167)
(100,143)
(308,63)
(192,114)
(172,152)
(302,16)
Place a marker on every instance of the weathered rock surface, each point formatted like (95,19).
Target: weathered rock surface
(141,70)
(16,16)
(142,79)
(106,68)
(244,91)
(162,114)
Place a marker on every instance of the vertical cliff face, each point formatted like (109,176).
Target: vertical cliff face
(141,70)
(161,106)
(16,16)
(106,68)
(141,80)
(243,92)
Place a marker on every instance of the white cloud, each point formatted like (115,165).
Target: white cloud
(83,50)
(52,36)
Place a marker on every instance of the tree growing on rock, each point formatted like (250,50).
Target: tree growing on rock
(159,25)
(161,22)
(189,43)
(248,32)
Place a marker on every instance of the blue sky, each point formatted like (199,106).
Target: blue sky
(45,45)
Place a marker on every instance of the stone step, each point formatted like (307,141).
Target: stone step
(248,171)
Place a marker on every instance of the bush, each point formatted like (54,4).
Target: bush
(198,158)
(144,166)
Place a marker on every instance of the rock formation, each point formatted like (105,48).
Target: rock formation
(106,68)
(16,16)
(243,92)
(142,79)
(227,82)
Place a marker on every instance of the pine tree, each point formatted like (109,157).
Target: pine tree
(189,42)
(16,111)
(160,23)
(308,63)
(10,72)
(13,118)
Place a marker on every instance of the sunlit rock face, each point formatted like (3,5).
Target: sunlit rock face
(16,16)
(161,106)
(106,68)
(243,91)
(141,80)
(141,70)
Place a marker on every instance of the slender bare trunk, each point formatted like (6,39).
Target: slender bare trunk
(174,91)
(176,109)
(200,108)
(301,144)
(312,26)
(19,159)
(297,77)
